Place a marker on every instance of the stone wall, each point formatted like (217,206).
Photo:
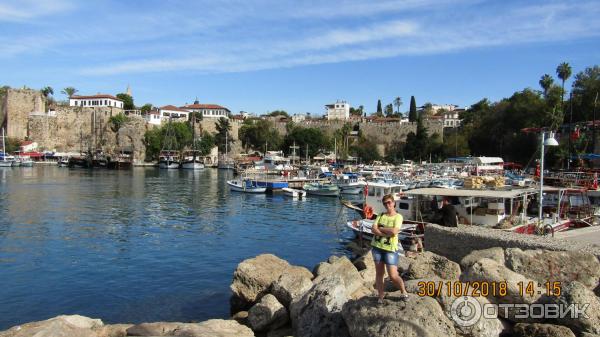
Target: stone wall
(75,129)
(456,243)
(15,107)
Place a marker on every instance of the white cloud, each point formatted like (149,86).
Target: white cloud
(26,10)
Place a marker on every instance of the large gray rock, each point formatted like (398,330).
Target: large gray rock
(113,330)
(494,253)
(549,266)
(60,326)
(318,312)
(491,272)
(484,326)
(541,330)
(578,295)
(420,316)
(154,329)
(365,261)
(419,286)
(292,284)
(267,314)
(428,264)
(214,328)
(253,278)
(344,269)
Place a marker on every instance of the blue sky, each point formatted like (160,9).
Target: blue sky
(295,55)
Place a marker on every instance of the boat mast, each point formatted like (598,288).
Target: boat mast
(194,137)
(3,146)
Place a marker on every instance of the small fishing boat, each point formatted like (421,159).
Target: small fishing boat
(63,161)
(245,186)
(294,193)
(326,190)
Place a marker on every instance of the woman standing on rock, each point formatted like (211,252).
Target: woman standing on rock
(385,246)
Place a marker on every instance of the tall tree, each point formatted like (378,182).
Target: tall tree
(563,71)
(389,110)
(412,114)
(546,82)
(127,101)
(398,103)
(223,127)
(379,109)
(47,91)
(69,91)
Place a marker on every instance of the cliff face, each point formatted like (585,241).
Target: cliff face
(74,129)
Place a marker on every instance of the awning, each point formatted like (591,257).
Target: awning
(446,192)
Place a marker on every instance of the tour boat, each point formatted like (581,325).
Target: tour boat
(168,160)
(294,193)
(245,186)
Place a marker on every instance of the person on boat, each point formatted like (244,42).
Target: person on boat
(385,247)
(449,216)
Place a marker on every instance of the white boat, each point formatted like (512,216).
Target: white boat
(63,161)
(24,161)
(274,161)
(168,160)
(349,183)
(245,186)
(192,164)
(191,160)
(326,190)
(294,193)
(5,160)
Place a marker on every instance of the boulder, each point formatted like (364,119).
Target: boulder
(417,286)
(494,253)
(318,312)
(283,331)
(268,313)
(549,266)
(579,296)
(483,326)
(214,328)
(113,330)
(241,317)
(419,316)
(491,272)
(293,283)
(428,264)
(154,329)
(343,268)
(364,262)
(541,330)
(60,326)
(253,278)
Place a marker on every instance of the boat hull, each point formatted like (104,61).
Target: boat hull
(168,165)
(236,186)
(192,166)
(351,189)
(6,163)
(294,193)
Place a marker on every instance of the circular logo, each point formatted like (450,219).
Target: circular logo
(465,311)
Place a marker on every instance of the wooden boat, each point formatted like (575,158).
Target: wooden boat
(245,186)
(326,190)
(294,193)
(168,160)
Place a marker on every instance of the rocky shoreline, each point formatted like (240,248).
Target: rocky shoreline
(272,298)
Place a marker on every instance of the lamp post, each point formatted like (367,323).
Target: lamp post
(550,141)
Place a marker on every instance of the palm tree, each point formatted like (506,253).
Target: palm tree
(69,91)
(47,91)
(546,82)
(398,103)
(563,71)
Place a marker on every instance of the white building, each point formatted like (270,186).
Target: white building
(153,117)
(208,110)
(297,118)
(96,101)
(338,110)
(451,119)
(173,112)
(448,107)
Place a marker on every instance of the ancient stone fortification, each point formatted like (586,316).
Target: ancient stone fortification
(74,129)
(382,134)
(15,107)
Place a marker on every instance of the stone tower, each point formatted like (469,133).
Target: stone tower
(15,107)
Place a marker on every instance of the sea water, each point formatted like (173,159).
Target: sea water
(144,245)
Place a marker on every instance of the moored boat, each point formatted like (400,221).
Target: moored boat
(293,192)
(326,190)
(245,186)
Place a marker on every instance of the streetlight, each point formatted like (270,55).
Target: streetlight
(550,141)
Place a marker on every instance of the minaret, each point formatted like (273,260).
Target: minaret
(196,101)
(129,91)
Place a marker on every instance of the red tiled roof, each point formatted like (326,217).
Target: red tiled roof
(204,106)
(172,108)
(96,96)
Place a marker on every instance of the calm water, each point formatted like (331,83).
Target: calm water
(143,245)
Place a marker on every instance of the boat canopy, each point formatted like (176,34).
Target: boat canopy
(507,194)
